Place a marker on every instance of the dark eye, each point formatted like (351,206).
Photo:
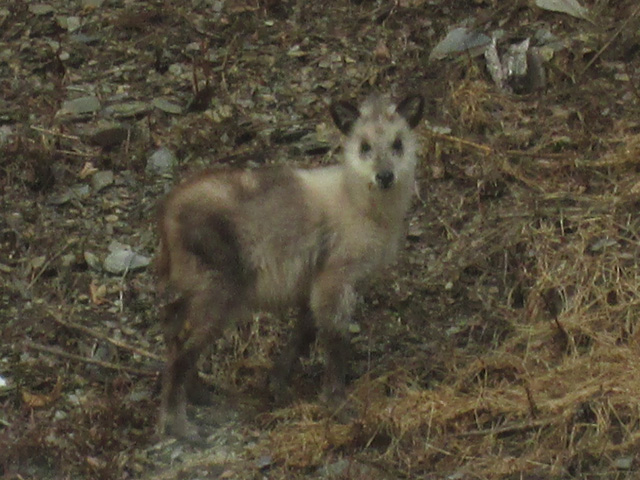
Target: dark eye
(365,148)
(397,145)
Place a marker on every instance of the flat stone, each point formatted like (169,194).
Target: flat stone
(41,9)
(85,39)
(167,106)
(80,106)
(460,40)
(76,192)
(71,24)
(128,109)
(92,3)
(108,135)
(623,463)
(92,260)
(101,179)
(121,260)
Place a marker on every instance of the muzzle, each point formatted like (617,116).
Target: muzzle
(385,179)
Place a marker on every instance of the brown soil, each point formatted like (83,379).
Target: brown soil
(502,346)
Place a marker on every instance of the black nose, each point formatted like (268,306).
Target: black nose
(385,178)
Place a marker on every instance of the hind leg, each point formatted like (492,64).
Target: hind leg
(203,317)
(173,412)
(174,316)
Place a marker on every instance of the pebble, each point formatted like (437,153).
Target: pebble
(101,179)
(161,162)
(80,106)
(121,260)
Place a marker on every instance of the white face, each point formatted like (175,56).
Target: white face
(381,147)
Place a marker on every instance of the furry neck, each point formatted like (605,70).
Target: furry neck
(384,207)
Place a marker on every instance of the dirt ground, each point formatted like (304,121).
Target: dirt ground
(504,344)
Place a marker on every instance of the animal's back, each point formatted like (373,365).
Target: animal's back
(258,225)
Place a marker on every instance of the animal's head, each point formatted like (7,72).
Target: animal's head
(380,145)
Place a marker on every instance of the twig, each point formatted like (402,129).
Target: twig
(533,408)
(54,133)
(523,153)
(569,342)
(104,337)
(48,262)
(609,42)
(77,154)
(450,138)
(487,150)
(519,427)
(79,358)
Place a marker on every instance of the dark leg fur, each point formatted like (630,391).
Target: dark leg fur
(198,392)
(338,351)
(337,348)
(173,419)
(299,344)
(174,316)
(332,302)
(192,321)
(207,312)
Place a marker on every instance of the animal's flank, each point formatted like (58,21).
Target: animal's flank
(236,240)
(213,239)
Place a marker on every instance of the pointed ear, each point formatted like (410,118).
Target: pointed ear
(411,108)
(344,116)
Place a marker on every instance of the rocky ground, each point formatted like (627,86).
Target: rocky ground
(503,344)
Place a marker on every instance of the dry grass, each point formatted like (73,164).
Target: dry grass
(557,394)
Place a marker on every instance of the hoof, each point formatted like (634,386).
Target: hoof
(279,390)
(198,393)
(340,406)
(180,429)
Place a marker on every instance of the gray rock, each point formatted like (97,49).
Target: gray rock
(623,463)
(85,39)
(108,135)
(77,192)
(92,3)
(123,259)
(101,179)
(570,7)
(92,260)
(6,132)
(167,106)
(79,106)
(70,24)
(41,9)
(161,162)
(460,40)
(86,104)
(127,110)
(68,259)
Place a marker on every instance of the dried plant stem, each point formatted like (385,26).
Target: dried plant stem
(113,341)
(55,133)
(112,366)
(517,427)
(487,150)
(48,262)
(610,41)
